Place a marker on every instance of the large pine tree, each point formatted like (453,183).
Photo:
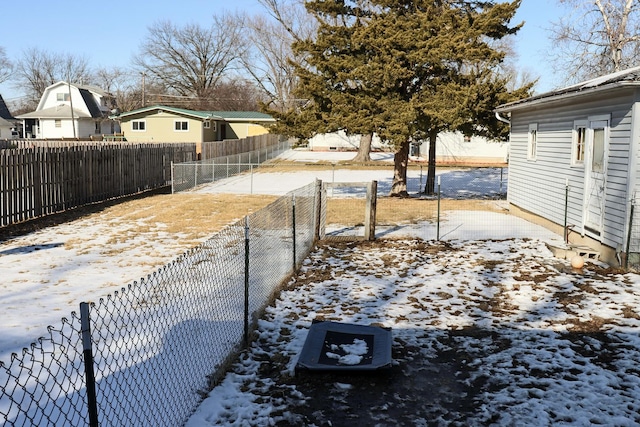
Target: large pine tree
(405,70)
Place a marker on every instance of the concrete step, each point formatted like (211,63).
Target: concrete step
(569,251)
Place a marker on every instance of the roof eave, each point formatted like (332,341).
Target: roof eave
(558,96)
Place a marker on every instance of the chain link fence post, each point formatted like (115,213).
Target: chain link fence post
(293,221)
(173,181)
(438,217)
(92,401)
(318,216)
(246,281)
(630,229)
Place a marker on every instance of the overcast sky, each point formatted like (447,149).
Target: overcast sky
(109,33)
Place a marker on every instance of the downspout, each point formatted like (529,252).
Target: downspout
(502,119)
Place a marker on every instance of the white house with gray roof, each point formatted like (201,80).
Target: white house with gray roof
(70,111)
(581,141)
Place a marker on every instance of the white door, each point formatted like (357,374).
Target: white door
(595,173)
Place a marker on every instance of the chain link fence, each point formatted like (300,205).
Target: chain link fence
(632,247)
(185,176)
(147,354)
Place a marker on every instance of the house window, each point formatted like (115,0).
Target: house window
(207,124)
(597,162)
(138,125)
(578,143)
(58,123)
(181,126)
(62,96)
(532,144)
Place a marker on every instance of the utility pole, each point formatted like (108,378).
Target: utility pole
(143,90)
(73,119)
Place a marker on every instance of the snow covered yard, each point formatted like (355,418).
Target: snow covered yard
(486,332)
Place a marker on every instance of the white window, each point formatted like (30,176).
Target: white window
(532,144)
(181,126)
(578,142)
(58,123)
(597,162)
(207,124)
(138,125)
(62,96)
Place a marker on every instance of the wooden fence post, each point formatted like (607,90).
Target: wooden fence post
(370,211)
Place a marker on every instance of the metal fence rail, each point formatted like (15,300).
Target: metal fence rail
(155,345)
(185,176)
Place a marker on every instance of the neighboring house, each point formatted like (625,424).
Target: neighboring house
(583,141)
(8,126)
(161,123)
(6,129)
(451,148)
(340,141)
(70,111)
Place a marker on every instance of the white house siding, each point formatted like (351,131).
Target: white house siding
(451,147)
(339,141)
(539,186)
(49,130)
(50,98)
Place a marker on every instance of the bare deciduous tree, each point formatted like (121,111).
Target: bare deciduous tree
(6,67)
(124,84)
(271,37)
(596,37)
(191,60)
(37,69)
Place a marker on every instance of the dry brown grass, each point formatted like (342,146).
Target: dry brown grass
(393,210)
(187,213)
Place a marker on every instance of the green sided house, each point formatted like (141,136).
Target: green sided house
(161,123)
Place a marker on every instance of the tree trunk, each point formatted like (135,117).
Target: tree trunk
(429,188)
(364,149)
(400,161)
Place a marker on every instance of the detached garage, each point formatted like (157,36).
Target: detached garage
(573,162)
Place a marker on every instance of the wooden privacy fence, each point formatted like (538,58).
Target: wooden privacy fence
(229,147)
(42,180)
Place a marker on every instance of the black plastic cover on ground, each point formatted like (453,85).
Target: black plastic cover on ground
(333,346)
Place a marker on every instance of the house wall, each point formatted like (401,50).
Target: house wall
(109,127)
(538,186)
(83,129)
(339,141)
(244,130)
(160,128)
(5,132)
(212,133)
(50,98)
(452,148)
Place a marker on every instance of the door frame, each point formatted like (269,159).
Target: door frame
(595,182)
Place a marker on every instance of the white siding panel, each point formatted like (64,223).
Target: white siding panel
(539,186)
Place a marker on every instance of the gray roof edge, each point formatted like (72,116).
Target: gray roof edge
(628,77)
(561,95)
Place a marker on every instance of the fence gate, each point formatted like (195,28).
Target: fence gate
(359,200)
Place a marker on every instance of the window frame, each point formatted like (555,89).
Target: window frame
(63,96)
(139,122)
(57,123)
(532,142)
(180,122)
(579,142)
